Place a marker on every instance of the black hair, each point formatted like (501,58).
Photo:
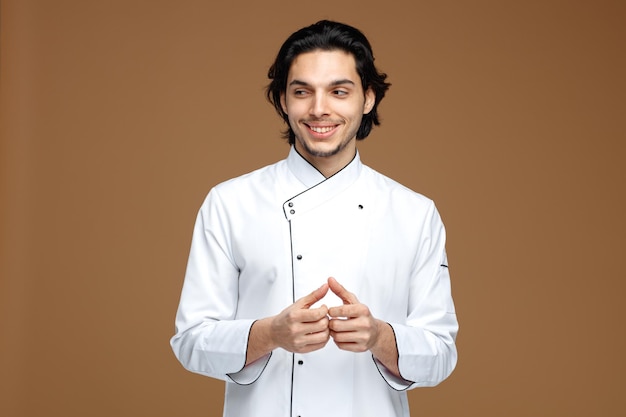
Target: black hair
(328,36)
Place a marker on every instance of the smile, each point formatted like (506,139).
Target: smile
(321,129)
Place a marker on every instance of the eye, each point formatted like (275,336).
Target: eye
(300,93)
(340,93)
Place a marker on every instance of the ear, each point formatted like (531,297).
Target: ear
(283,102)
(370,99)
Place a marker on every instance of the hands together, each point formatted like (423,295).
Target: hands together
(302,329)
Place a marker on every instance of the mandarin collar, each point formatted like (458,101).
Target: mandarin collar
(318,189)
(308,175)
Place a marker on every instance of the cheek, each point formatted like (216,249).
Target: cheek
(293,121)
(295,108)
(356,114)
(352,109)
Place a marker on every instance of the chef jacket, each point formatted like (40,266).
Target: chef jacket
(265,239)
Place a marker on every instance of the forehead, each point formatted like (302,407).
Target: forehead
(323,66)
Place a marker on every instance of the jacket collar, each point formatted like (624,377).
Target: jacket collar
(316,188)
(308,175)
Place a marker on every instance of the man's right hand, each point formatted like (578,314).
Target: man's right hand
(298,328)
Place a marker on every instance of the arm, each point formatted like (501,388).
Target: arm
(209,340)
(426,340)
(419,350)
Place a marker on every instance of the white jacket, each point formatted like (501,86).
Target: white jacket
(265,239)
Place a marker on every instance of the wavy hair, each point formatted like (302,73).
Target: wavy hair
(327,35)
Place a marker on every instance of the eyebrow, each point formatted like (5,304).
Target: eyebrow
(332,84)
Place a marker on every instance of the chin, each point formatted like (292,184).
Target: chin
(325,150)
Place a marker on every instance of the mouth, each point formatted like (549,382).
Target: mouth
(321,130)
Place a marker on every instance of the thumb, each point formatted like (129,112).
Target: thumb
(341,292)
(312,298)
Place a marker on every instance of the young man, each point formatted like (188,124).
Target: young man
(317,286)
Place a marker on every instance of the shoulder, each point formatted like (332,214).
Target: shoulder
(246,187)
(251,180)
(392,189)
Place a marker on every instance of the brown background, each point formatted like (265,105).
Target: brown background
(118,116)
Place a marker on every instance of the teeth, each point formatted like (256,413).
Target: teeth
(321,129)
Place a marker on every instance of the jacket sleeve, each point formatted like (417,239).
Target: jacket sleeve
(426,341)
(208,339)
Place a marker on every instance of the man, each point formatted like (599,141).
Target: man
(317,286)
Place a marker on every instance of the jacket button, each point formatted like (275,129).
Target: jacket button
(290,204)
(299,257)
(300,362)
(292,211)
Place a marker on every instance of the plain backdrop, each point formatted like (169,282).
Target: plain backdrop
(118,116)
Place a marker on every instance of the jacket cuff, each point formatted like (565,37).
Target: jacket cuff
(251,372)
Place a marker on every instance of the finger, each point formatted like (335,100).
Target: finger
(315,327)
(342,337)
(313,340)
(351,346)
(308,300)
(349,310)
(339,325)
(341,292)
(342,311)
(312,347)
(312,314)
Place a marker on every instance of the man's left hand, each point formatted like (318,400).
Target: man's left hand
(352,325)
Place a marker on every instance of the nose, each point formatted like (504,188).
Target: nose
(319,106)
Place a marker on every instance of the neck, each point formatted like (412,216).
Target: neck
(328,166)
(328,162)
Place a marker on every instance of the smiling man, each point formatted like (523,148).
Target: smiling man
(325,102)
(317,286)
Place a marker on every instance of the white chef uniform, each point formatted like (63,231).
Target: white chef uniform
(265,239)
